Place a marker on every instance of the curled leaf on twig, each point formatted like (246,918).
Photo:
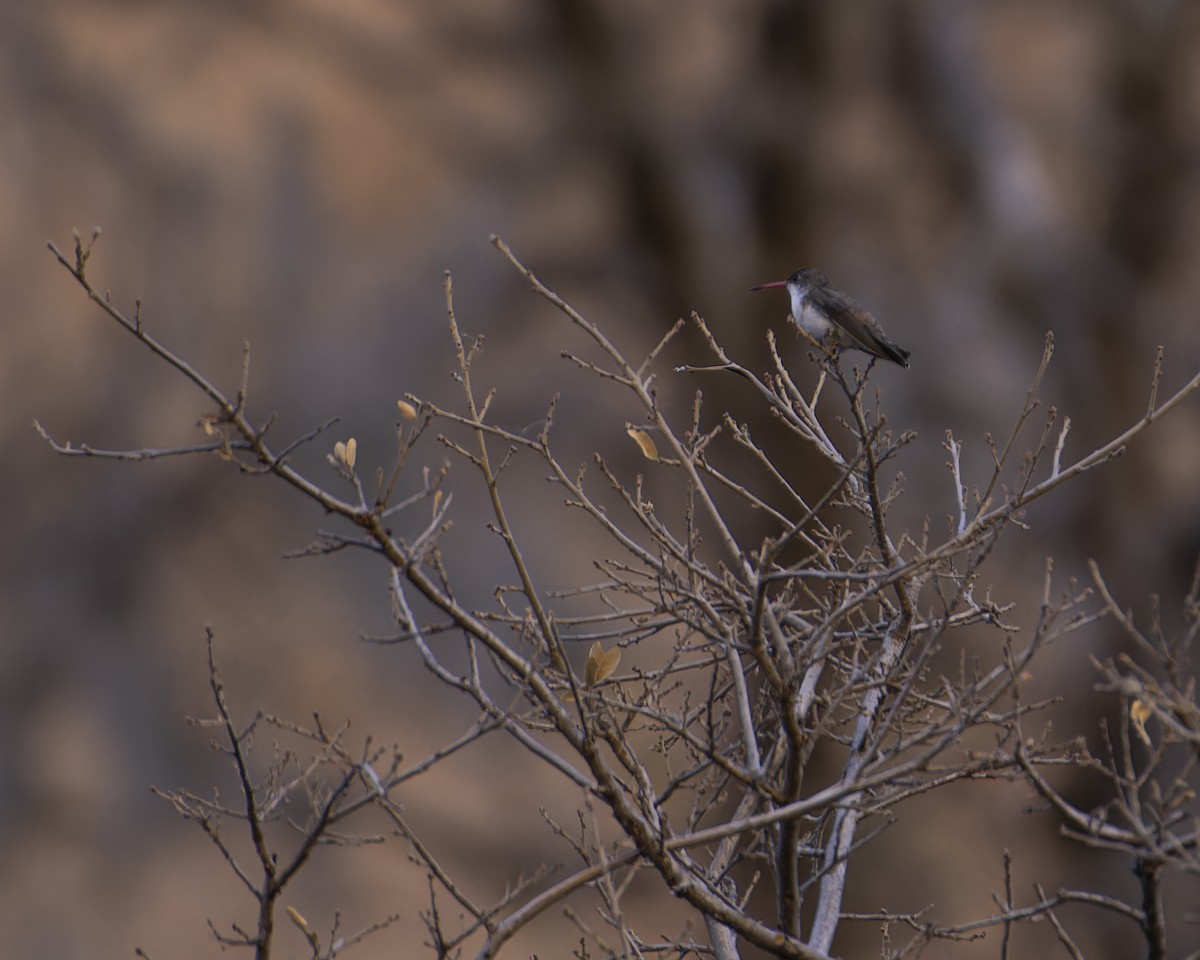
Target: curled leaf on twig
(601,663)
(642,439)
(1139,713)
(346,452)
(297,918)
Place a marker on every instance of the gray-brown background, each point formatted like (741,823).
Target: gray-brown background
(298,174)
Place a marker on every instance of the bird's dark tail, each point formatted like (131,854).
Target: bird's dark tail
(894,353)
(887,350)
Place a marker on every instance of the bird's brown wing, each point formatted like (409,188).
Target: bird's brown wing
(862,328)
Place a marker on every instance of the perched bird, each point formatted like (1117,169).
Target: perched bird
(822,311)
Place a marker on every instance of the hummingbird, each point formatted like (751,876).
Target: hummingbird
(822,311)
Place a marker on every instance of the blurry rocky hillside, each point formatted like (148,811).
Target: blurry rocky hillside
(299,174)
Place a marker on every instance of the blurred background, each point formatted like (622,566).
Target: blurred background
(299,175)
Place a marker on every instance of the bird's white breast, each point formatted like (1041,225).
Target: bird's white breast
(810,320)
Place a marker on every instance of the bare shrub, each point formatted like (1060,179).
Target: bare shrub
(793,705)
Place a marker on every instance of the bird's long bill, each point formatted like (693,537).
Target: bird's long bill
(769,286)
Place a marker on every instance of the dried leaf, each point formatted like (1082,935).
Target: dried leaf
(1139,713)
(601,663)
(297,918)
(346,452)
(642,439)
(407,410)
(437,501)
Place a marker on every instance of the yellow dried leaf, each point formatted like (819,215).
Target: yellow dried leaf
(1139,713)
(346,452)
(297,919)
(407,410)
(642,439)
(601,663)
(437,501)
